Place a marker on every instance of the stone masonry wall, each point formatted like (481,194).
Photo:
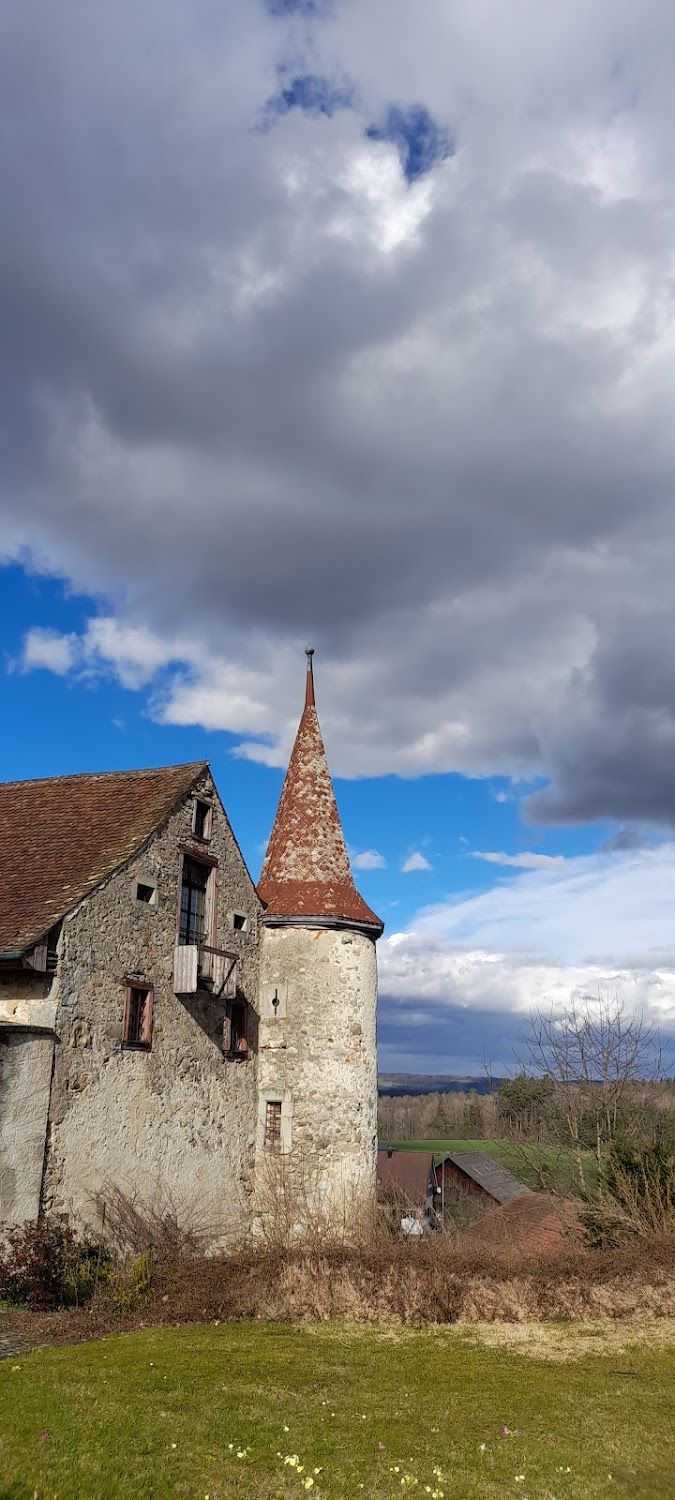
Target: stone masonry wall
(318,1056)
(177,1123)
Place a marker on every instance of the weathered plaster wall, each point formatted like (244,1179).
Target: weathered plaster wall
(25,1074)
(319,1056)
(178,1121)
(26,1000)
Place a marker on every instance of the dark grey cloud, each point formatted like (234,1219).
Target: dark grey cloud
(422,1037)
(257,385)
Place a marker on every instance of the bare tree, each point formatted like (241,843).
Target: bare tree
(595,1051)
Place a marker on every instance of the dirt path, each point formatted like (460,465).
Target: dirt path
(12,1341)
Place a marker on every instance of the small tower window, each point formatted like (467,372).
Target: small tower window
(137,1032)
(146,893)
(240,921)
(273,1122)
(201,820)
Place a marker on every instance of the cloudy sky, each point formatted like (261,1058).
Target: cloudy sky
(352,321)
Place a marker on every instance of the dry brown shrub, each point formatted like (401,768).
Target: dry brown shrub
(132,1225)
(414,1285)
(367,1275)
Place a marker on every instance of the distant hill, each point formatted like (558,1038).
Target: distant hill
(397,1084)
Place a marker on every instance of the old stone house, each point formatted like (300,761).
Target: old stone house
(167,1029)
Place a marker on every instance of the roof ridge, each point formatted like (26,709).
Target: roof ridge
(186,765)
(63,836)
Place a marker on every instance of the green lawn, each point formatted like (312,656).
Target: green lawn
(536,1166)
(256,1412)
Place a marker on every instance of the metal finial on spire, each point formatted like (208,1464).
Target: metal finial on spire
(309,692)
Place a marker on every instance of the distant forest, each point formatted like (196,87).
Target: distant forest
(396,1084)
(534,1110)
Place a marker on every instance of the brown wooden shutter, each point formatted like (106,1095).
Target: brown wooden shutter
(146,1024)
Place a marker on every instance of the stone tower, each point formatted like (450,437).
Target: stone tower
(317,1079)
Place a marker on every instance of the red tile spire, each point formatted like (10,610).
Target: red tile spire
(306,871)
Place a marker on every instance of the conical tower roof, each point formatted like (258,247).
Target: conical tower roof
(306,873)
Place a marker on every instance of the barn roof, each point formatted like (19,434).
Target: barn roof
(488,1174)
(61,836)
(306,871)
(406,1174)
(534,1224)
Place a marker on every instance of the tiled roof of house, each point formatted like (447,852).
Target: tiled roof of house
(60,837)
(306,871)
(405,1175)
(533,1224)
(493,1178)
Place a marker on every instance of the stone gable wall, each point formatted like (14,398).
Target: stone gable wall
(176,1124)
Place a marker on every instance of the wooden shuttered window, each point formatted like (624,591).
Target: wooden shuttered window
(196,956)
(138,1008)
(202,820)
(235,1027)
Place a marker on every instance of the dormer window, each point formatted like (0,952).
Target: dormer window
(202,817)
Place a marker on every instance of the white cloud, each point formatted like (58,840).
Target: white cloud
(132,652)
(50,650)
(370,859)
(522,861)
(600,922)
(415,862)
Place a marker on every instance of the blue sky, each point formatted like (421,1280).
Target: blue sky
(346,326)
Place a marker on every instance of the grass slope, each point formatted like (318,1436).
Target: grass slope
(219,1411)
(537,1166)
